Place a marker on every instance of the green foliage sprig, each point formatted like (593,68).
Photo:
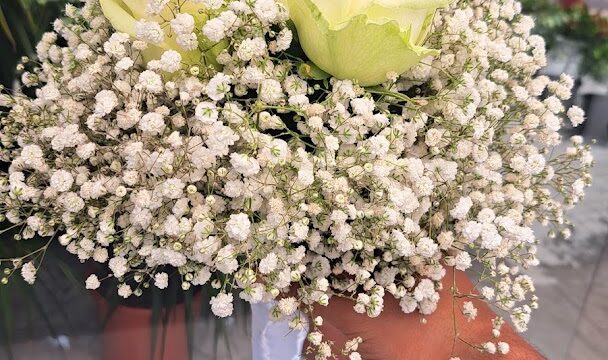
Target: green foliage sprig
(22,23)
(578,23)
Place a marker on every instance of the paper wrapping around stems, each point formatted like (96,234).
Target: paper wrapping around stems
(273,340)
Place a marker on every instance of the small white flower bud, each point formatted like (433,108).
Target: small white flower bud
(120,191)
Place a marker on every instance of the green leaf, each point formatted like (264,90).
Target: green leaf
(7,30)
(76,280)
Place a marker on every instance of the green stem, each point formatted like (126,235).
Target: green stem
(382,91)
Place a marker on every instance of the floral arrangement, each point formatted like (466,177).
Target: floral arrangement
(346,148)
(574,21)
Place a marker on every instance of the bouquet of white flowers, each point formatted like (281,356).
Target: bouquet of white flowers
(347,148)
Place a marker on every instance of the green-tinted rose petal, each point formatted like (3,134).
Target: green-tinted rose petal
(367,46)
(124,14)
(119,15)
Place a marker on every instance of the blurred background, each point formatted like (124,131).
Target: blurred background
(58,319)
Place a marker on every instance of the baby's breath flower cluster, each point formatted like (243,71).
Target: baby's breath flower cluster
(243,171)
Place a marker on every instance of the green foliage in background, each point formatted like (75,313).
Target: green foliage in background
(578,24)
(22,23)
